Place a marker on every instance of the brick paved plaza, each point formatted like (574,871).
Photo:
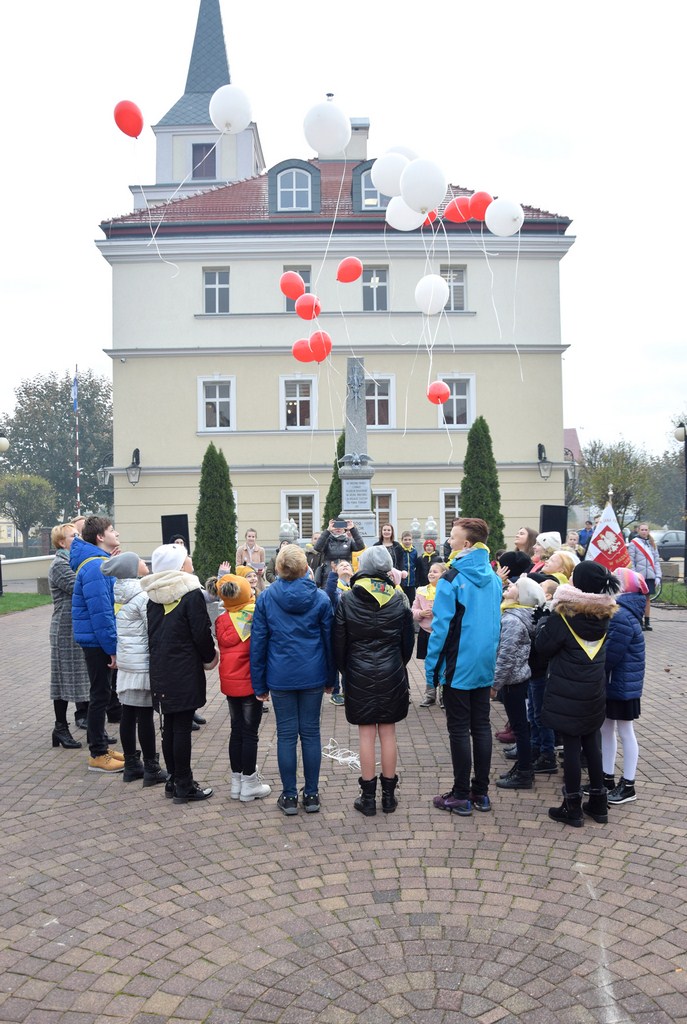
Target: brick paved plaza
(119,907)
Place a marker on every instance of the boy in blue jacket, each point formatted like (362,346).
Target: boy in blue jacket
(95,631)
(461,654)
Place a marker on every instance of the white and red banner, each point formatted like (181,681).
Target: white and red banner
(608,544)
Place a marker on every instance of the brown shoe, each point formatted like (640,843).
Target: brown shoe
(117,754)
(105,763)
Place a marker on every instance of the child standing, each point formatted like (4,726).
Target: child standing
(338,583)
(422,614)
(133,678)
(408,565)
(182,650)
(233,629)
(573,639)
(625,663)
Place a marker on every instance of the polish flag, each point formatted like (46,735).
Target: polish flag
(608,544)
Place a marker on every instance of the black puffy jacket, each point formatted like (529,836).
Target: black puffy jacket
(373,643)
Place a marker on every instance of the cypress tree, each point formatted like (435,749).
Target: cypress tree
(480,496)
(215,517)
(332,505)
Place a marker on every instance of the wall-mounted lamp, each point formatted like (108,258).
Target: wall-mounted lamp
(133,471)
(103,474)
(543,463)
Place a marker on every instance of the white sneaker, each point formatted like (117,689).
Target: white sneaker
(236,785)
(252,788)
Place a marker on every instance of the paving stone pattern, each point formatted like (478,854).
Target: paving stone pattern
(119,907)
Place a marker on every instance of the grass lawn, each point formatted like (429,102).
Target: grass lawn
(673,592)
(20,602)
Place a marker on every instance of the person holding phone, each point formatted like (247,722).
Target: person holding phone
(339,541)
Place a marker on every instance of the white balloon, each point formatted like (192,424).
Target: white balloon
(504,217)
(409,154)
(401,217)
(327,129)
(230,109)
(423,185)
(386,173)
(431,294)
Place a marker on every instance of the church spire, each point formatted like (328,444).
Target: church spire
(208,69)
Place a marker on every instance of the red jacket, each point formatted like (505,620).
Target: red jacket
(234,659)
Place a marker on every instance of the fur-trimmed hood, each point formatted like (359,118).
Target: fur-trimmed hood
(170,585)
(570,601)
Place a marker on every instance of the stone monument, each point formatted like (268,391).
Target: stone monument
(355,469)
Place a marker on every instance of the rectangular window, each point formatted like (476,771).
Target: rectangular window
(378,402)
(375,281)
(203,158)
(455,279)
(458,409)
(301,508)
(216,291)
(298,403)
(384,508)
(306,275)
(216,398)
(450,510)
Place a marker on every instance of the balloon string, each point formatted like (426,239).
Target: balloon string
(334,218)
(515,299)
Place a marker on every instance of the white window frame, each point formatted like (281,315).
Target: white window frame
(370,196)
(391,492)
(216,378)
(470,378)
(212,151)
(371,378)
(307,271)
(216,288)
(286,514)
(375,291)
(300,377)
(443,510)
(447,271)
(294,187)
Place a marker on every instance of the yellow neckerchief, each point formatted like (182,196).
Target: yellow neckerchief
(342,585)
(407,549)
(430,591)
(118,607)
(171,606)
(458,554)
(243,621)
(381,591)
(590,647)
(514,604)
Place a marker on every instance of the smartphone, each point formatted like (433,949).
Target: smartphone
(340,524)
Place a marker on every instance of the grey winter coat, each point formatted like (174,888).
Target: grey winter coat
(68,673)
(515,644)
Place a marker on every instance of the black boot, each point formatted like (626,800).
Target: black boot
(133,767)
(597,805)
(609,784)
(389,801)
(366,802)
(153,775)
(570,811)
(61,737)
(169,787)
(647,627)
(517,779)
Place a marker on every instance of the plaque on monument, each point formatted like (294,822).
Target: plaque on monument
(356,494)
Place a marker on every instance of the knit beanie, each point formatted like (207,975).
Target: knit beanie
(375,561)
(244,570)
(549,541)
(594,578)
(122,567)
(241,593)
(530,593)
(168,557)
(517,562)
(429,543)
(631,582)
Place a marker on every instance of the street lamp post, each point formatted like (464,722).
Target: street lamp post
(681,436)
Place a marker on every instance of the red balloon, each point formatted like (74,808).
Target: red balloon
(431,216)
(292,284)
(320,345)
(308,306)
(458,210)
(478,204)
(300,350)
(438,392)
(349,270)
(128,118)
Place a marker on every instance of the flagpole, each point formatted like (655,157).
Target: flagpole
(75,401)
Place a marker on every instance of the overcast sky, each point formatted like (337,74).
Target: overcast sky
(575,109)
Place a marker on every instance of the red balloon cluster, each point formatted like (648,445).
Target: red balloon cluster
(317,347)
(464,208)
(314,349)
(128,118)
(438,392)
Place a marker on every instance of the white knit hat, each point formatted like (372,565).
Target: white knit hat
(529,592)
(549,541)
(168,557)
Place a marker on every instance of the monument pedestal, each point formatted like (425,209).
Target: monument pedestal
(356,498)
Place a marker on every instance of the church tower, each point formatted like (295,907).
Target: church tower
(192,156)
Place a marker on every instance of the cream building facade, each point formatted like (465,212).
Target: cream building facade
(202,335)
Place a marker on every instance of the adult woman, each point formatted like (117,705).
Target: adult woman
(291,662)
(373,643)
(544,546)
(387,540)
(645,560)
(525,539)
(250,552)
(68,673)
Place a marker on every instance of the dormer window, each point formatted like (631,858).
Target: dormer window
(370,197)
(204,163)
(294,190)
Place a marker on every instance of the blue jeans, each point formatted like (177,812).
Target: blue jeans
(297,714)
(542,738)
(469,731)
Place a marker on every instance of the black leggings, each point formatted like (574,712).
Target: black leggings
(143,718)
(573,746)
(176,746)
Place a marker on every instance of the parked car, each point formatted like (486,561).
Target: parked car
(671,545)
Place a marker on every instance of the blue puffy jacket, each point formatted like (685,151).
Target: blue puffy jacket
(93,615)
(291,638)
(625,650)
(466,624)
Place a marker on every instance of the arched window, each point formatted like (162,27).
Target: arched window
(294,190)
(370,197)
